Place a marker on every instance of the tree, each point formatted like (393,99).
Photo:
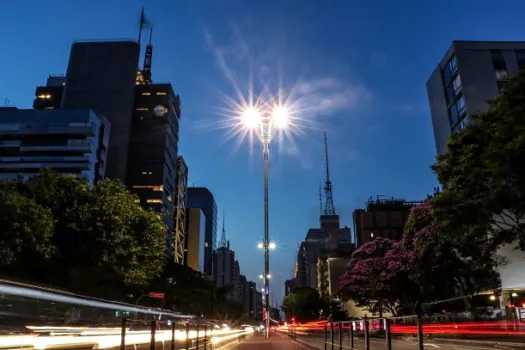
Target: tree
(106,244)
(483,203)
(304,304)
(401,276)
(366,280)
(26,230)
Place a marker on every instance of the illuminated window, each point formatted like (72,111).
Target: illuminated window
(158,188)
(142,109)
(160,93)
(44,97)
(156,201)
(143,187)
(146,93)
(49,108)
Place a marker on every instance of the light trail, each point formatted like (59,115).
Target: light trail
(111,338)
(27,291)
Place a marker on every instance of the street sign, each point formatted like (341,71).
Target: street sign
(156,295)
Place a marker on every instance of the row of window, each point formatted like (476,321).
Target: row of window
(157,93)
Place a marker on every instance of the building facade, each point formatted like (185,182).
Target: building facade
(201,197)
(72,142)
(50,96)
(381,218)
(194,240)
(330,240)
(470,73)
(289,286)
(101,76)
(152,155)
(176,241)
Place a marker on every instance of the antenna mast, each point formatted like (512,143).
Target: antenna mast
(223,242)
(329,208)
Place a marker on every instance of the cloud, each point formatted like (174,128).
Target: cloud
(329,95)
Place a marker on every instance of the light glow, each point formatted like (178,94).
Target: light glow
(272,245)
(251,118)
(281,117)
(260,245)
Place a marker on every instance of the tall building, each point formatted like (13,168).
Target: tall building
(471,73)
(178,237)
(72,142)
(289,286)
(101,76)
(252,299)
(152,156)
(194,240)
(50,96)
(201,197)
(381,218)
(224,268)
(329,240)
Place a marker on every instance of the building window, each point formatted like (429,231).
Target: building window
(146,93)
(461,104)
(142,109)
(501,75)
(457,84)
(453,114)
(154,201)
(160,93)
(44,96)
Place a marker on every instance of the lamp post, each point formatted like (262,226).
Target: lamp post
(265,123)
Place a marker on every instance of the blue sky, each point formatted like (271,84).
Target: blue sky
(358,69)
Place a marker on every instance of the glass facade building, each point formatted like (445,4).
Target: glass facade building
(72,142)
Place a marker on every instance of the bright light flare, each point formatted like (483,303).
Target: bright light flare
(260,245)
(251,118)
(281,117)
(272,245)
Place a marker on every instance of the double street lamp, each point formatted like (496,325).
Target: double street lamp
(265,123)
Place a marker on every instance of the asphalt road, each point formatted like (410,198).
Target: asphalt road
(398,344)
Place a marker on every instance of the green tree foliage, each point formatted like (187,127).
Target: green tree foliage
(26,232)
(483,201)
(305,305)
(105,244)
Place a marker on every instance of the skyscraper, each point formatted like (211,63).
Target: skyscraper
(181,202)
(152,157)
(201,197)
(194,240)
(101,76)
(471,73)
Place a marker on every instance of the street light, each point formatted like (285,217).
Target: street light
(271,245)
(265,122)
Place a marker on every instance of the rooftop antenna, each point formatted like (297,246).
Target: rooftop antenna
(224,242)
(329,208)
(146,70)
(320,199)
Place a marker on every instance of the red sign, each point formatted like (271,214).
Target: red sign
(156,295)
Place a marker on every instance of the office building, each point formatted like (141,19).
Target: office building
(194,240)
(226,269)
(101,76)
(50,96)
(289,286)
(329,241)
(329,270)
(252,299)
(470,73)
(176,245)
(72,142)
(201,197)
(152,156)
(382,218)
